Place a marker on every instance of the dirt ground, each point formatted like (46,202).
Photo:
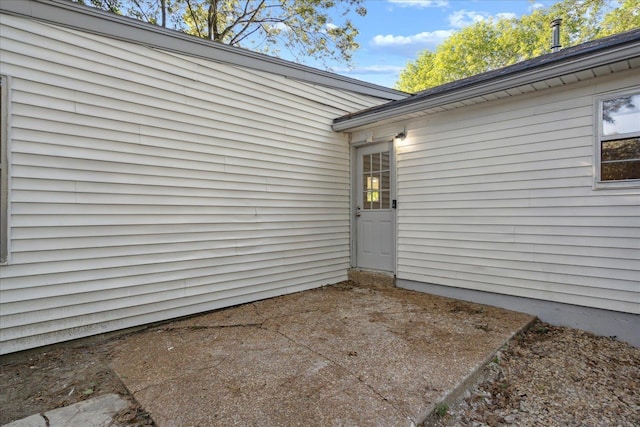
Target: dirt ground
(546,376)
(553,376)
(37,381)
(43,379)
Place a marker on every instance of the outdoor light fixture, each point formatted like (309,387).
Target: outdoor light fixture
(400,136)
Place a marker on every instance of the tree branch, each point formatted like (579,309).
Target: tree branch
(193,18)
(212,20)
(240,20)
(137,3)
(236,39)
(163,11)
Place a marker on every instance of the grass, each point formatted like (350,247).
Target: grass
(441,410)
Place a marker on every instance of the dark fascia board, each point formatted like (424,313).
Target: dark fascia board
(621,47)
(91,20)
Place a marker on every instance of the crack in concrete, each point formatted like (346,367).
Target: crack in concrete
(360,380)
(198,327)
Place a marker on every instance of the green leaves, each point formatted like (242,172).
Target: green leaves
(492,44)
(306,28)
(624,18)
(113,6)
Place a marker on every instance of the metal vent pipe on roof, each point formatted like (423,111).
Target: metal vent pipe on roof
(555,26)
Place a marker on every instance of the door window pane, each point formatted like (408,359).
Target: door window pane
(366,204)
(385,199)
(376,180)
(384,161)
(386,180)
(372,189)
(366,163)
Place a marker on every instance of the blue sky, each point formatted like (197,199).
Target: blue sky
(394,31)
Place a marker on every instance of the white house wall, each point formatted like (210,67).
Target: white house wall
(499,197)
(146,185)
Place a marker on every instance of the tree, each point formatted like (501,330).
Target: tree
(492,44)
(304,28)
(113,6)
(625,17)
(157,12)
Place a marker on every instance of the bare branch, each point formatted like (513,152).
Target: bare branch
(270,25)
(236,40)
(194,18)
(146,17)
(247,23)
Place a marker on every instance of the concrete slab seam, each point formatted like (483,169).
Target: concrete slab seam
(474,377)
(364,383)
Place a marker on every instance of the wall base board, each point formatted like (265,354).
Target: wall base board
(624,326)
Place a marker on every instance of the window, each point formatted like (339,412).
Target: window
(3,168)
(619,140)
(376,180)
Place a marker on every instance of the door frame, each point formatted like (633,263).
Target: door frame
(353,227)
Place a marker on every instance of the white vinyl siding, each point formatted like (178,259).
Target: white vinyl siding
(4,166)
(499,197)
(148,185)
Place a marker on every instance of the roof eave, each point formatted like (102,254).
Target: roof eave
(497,84)
(88,19)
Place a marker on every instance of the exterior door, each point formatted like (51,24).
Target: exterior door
(375,238)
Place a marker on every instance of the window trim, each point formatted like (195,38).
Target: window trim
(5,84)
(599,137)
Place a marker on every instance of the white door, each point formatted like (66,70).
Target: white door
(375,203)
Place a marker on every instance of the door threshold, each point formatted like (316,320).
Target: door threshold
(372,279)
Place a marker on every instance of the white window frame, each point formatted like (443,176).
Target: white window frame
(598,183)
(4,168)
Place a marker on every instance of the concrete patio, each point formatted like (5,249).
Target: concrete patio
(339,355)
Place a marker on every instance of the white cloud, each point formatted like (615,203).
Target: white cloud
(420,39)
(410,45)
(506,15)
(420,3)
(536,6)
(463,18)
(331,26)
